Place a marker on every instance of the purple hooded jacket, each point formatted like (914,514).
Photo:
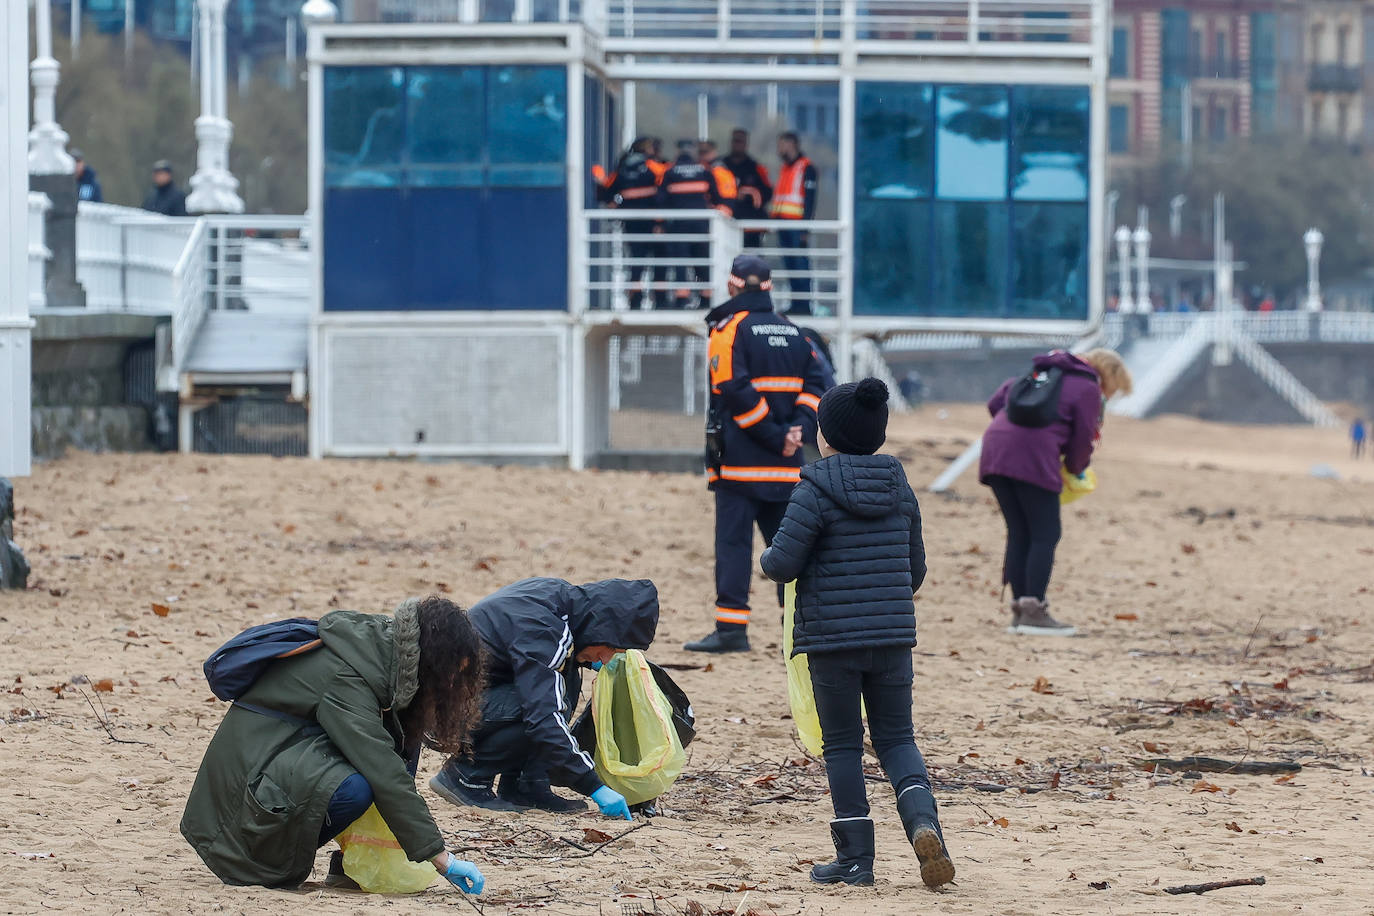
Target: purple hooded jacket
(1034,455)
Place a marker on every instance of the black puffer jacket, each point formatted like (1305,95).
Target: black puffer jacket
(852,540)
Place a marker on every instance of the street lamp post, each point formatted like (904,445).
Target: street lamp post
(1142,265)
(1123,268)
(1312,239)
(213,188)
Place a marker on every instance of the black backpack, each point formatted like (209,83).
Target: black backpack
(1033,401)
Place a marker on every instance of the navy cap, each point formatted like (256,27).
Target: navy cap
(751,271)
(162,165)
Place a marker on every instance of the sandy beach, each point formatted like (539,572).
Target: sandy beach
(1223,596)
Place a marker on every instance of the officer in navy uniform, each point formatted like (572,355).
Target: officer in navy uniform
(766,385)
(634,186)
(689,185)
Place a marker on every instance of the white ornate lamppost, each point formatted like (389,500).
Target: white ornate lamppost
(47,141)
(1124,305)
(213,188)
(1142,237)
(1312,240)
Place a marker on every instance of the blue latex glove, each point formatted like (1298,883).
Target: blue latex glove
(464,876)
(611,803)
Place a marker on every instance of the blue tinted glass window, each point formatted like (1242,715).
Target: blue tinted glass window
(444,111)
(1121,51)
(364,126)
(1120,128)
(1050,261)
(970,258)
(971,146)
(527,113)
(892,262)
(895,140)
(1050,143)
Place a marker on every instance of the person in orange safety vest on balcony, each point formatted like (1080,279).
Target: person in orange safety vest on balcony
(766,385)
(634,186)
(689,185)
(794,197)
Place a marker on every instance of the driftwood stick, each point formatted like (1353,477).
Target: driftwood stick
(1216,765)
(1214,886)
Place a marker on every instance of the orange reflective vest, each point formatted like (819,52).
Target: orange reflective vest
(789,196)
(725,181)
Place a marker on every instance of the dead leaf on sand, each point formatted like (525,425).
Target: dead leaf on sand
(1042,685)
(161,610)
(592,835)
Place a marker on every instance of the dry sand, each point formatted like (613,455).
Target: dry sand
(1209,567)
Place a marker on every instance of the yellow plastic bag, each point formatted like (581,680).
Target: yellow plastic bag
(1076,487)
(799,693)
(373,857)
(638,752)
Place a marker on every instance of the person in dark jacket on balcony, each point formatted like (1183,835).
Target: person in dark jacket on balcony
(165,197)
(537,633)
(87,182)
(851,538)
(1025,466)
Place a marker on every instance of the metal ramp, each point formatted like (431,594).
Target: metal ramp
(233,347)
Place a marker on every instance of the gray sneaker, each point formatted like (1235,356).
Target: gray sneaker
(1035,620)
(1015,615)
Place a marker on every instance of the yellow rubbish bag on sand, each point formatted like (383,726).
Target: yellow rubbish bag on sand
(373,857)
(1076,487)
(799,693)
(638,752)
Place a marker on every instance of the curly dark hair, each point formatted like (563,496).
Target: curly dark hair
(447,705)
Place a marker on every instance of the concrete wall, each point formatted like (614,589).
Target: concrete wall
(80,384)
(962,376)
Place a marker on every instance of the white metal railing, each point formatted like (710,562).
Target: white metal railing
(869,362)
(1152,385)
(1028,28)
(152,249)
(1284,382)
(675,258)
(38,253)
(189,302)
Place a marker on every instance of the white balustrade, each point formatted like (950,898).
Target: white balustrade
(38,253)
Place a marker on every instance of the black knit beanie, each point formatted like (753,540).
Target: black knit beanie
(854,417)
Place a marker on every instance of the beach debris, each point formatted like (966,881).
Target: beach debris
(1217,765)
(1324,472)
(1215,886)
(31,856)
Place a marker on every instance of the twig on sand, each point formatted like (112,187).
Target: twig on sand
(600,846)
(105,722)
(1258,621)
(1216,765)
(1214,886)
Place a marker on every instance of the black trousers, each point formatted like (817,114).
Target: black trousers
(736,516)
(1033,532)
(502,747)
(881,679)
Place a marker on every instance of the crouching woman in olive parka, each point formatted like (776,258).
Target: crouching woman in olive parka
(322,735)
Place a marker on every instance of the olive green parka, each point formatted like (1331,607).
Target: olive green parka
(260,798)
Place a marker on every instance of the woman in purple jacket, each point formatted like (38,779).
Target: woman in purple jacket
(1023,464)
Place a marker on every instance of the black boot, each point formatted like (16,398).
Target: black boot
(536,793)
(916,807)
(853,854)
(336,877)
(720,641)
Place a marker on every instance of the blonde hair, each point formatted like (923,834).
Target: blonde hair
(1116,378)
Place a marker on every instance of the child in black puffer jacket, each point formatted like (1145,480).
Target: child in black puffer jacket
(852,540)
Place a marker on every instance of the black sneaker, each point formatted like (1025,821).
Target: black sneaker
(336,877)
(537,794)
(452,788)
(721,641)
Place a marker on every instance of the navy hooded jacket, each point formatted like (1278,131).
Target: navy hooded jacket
(533,629)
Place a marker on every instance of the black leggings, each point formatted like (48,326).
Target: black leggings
(1033,532)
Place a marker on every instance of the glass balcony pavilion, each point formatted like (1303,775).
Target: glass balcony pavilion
(961,145)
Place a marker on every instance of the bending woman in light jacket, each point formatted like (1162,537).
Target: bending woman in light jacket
(330,732)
